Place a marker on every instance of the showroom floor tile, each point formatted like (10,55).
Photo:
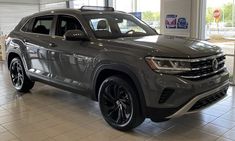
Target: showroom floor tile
(50,114)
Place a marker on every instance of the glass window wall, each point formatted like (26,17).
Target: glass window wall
(220,28)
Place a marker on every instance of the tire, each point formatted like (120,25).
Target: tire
(119,104)
(19,79)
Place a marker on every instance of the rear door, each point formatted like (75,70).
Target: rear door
(37,39)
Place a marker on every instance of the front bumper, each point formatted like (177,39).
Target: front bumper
(188,96)
(202,101)
(196,104)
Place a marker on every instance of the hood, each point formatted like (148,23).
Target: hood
(171,46)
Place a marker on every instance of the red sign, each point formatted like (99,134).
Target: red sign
(216,14)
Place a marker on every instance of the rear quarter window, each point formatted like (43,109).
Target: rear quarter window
(28,26)
(40,25)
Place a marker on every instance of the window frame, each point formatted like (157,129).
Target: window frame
(32,21)
(87,31)
(29,27)
(36,19)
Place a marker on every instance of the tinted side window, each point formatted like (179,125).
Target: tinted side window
(100,24)
(66,23)
(28,26)
(43,25)
(101,27)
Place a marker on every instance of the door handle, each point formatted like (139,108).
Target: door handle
(52,45)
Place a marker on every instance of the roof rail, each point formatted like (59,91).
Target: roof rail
(96,8)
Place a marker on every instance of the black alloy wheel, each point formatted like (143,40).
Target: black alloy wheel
(20,80)
(118,104)
(17,74)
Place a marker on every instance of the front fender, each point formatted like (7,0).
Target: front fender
(16,47)
(125,70)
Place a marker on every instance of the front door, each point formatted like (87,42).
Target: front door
(69,60)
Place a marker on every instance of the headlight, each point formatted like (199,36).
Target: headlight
(170,66)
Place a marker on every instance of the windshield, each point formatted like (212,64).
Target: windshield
(111,26)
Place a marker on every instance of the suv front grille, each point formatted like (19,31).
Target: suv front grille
(205,67)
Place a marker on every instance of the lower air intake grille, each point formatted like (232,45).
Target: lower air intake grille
(166,93)
(208,100)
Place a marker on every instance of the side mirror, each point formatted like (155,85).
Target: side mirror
(75,35)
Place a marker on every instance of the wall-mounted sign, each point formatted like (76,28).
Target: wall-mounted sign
(182,23)
(171,21)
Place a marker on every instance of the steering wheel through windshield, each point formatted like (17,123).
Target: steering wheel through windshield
(130,32)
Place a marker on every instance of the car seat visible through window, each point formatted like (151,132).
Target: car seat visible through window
(102,29)
(41,29)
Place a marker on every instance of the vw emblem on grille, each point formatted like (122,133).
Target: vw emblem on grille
(215,64)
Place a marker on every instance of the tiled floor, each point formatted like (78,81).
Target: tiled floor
(50,114)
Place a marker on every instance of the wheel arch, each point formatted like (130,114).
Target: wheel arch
(106,71)
(12,55)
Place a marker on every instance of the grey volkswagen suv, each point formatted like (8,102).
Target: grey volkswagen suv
(118,60)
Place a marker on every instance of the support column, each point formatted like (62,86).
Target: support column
(233,13)
(67,4)
(70,4)
(134,5)
(108,3)
(198,19)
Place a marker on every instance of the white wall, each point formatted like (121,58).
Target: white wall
(51,1)
(12,13)
(20,1)
(49,6)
